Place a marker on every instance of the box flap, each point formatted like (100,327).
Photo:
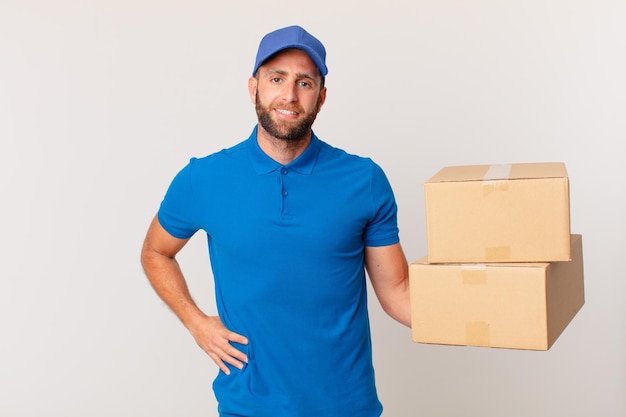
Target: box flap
(424,262)
(500,172)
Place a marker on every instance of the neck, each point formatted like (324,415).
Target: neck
(281,150)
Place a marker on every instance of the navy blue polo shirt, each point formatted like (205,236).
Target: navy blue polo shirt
(286,245)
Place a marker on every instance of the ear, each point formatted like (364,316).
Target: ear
(252,86)
(322,98)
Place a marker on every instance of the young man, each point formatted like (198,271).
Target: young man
(292,223)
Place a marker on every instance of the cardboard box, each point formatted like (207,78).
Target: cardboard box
(517,306)
(498,213)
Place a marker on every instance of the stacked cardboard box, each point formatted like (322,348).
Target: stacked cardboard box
(502,268)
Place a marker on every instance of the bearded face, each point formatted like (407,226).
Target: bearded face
(288,130)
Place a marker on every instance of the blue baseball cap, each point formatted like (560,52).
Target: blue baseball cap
(291,37)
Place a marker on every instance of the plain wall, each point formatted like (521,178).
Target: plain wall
(102,102)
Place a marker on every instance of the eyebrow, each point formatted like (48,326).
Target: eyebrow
(298,75)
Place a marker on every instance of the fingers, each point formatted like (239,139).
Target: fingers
(237,338)
(230,354)
(215,339)
(226,353)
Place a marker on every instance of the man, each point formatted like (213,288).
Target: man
(291,223)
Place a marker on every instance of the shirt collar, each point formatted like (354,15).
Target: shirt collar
(263,164)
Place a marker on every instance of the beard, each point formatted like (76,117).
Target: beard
(290,132)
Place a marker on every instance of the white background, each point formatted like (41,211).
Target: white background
(102,102)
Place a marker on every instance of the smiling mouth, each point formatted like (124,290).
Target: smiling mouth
(286,112)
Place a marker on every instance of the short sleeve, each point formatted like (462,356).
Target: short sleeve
(178,211)
(382,230)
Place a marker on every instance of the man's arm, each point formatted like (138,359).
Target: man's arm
(158,257)
(389,273)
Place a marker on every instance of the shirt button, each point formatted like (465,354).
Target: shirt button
(285,171)
(285,193)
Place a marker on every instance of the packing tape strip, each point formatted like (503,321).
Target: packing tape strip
(473,274)
(477,333)
(498,254)
(498,172)
(496,178)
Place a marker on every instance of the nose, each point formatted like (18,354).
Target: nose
(290,92)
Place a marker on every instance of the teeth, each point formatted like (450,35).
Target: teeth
(288,112)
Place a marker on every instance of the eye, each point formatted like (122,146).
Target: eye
(305,84)
(275,80)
